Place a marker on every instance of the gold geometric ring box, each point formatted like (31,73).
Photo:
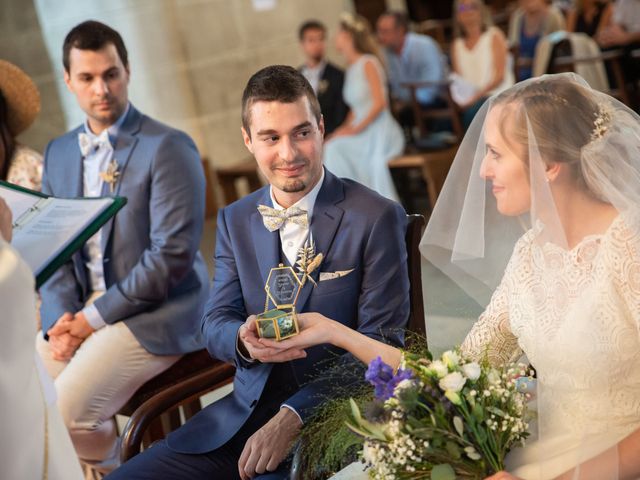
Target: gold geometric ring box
(282,287)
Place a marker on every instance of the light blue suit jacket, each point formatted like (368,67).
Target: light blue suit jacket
(156,280)
(354,228)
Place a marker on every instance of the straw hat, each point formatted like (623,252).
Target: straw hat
(21,95)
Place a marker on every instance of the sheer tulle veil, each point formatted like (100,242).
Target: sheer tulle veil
(578,282)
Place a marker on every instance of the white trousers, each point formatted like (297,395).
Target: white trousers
(108,367)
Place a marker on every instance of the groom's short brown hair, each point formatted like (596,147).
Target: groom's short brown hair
(277,83)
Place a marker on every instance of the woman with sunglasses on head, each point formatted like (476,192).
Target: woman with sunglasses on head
(479,56)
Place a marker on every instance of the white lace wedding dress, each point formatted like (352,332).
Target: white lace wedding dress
(576,315)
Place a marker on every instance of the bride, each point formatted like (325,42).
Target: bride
(541,214)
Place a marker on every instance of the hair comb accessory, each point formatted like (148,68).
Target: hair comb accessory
(602,121)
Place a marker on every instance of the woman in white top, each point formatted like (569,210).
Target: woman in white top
(479,56)
(539,219)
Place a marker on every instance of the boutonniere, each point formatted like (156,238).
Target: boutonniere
(111,175)
(308,261)
(323,85)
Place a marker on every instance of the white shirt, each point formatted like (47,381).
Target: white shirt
(292,235)
(314,75)
(94,163)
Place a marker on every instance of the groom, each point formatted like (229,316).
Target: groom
(362,282)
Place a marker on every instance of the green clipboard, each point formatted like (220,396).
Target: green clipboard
(75,239)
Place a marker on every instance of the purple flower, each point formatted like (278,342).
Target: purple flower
(381,376)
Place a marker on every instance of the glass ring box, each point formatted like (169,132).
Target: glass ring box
(282,287)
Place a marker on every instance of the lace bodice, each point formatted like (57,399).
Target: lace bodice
(576,315)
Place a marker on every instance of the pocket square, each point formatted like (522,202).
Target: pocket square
(333,275)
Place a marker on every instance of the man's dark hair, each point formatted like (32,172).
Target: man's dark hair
(310,25)
(92,35)
(401,19)
(277,83)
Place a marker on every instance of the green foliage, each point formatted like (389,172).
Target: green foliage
(326,444)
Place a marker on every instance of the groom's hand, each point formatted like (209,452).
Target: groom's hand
(266,448)
(249,342)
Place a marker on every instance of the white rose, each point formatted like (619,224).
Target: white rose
(451,359)
(471,371)
(439,368)
(452,382)
(403,385)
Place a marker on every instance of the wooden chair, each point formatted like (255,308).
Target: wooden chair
(214,374)
(433,152)
(564,61)
(211,206)
(227,177)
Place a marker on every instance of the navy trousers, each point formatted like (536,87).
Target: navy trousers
(161,463)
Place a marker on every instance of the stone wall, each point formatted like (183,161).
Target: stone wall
(190,59)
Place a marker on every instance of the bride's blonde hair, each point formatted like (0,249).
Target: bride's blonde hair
(360,30)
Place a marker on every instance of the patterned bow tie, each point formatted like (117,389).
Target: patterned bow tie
(90,143)
(274,219)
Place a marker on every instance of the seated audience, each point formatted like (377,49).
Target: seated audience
(623,31)
(479,56)
(410,57)
(360,149)
(589,16)
(532,20)
(19,106)
(325,78)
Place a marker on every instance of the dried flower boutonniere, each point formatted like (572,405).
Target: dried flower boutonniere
(111,175)
(308,261)
(323,85)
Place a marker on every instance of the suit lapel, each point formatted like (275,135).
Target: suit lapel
(266,243)
(125,143)
(74,169)
(324,225)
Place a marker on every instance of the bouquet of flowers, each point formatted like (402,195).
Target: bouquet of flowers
(442,419)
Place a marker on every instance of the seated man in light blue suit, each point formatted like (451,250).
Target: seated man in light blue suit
(362,282)
(129,304)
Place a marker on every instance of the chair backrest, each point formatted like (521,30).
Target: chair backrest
(415,227)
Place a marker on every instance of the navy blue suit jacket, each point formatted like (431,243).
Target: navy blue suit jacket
(157,281)
(354,228)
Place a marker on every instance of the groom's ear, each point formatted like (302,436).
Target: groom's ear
(553,170)
(247,140)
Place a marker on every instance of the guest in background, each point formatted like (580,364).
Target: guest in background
(325,78)
(127,306)
(410,57)
(362,146)
(479,55)
(589,16)
(532,20)
(624,32)
(19,107)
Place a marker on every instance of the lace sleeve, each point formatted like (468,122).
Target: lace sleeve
(491,335)
(625,262)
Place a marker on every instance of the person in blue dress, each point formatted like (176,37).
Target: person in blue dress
(362,146)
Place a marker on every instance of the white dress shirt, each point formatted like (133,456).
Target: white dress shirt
(314,75)
(292,237)
(94,163)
